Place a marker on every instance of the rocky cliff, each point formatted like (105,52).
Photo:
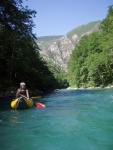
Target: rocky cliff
(57,49)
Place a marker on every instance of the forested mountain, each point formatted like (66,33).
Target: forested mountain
(91,62)
(19,53)
(58,49)
(22,59)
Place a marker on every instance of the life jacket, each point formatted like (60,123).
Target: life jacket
(22,92)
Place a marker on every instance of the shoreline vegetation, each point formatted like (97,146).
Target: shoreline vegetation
(20,58)
(91,62)
(37,92)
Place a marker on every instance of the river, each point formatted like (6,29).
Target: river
(72,120)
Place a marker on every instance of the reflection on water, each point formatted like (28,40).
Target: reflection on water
(14,118)
(73,119)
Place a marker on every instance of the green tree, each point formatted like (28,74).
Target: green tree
(91,62)
(19,55)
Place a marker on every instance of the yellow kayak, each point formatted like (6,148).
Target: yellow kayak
(21,103)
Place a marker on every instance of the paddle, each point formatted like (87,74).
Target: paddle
(39,105)
(36,97)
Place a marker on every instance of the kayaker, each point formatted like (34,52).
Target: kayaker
(22,91)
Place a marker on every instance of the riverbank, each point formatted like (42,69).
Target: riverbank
(11,94)
(36,92)
(90,88)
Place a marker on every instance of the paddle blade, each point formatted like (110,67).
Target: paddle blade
(40,105)
(36,97)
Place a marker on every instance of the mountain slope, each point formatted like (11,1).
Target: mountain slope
(45,41)
(83,29)
(57,49)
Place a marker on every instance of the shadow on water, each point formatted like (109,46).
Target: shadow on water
(5,104)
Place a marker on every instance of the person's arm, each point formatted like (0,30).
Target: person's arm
(17,93)
(27,94)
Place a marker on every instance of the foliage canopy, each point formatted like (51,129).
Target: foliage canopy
(19,54)
(91,62)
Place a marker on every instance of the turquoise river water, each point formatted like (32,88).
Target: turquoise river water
(72,120)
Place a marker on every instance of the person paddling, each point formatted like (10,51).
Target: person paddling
(22,91)
(22,99)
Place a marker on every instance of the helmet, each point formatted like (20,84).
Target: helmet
(22,83)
